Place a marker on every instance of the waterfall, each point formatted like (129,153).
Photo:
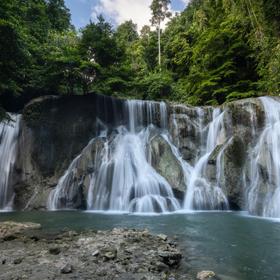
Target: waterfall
(134,185)
(263,194)
(201,194)
(124,179)
(9,131)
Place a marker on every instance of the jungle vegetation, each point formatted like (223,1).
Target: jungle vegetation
(213,52)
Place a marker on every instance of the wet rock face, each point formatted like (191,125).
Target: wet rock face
(185,127)
(78,179)
(230,158)
(245,118)
(116,254)
(167,165)
(53,132)
(64,126)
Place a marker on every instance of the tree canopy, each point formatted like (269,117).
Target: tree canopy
(213,52)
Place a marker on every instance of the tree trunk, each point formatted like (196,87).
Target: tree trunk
(159,47)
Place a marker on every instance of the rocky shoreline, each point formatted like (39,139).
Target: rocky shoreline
(29,253)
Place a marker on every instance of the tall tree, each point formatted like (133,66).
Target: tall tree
(160,11)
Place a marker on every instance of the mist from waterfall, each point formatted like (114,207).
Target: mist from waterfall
(9,130)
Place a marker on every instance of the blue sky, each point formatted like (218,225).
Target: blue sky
(116,11)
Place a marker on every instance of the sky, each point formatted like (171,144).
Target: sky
(115,11)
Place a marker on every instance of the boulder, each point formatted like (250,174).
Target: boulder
(225,168)
(167,165)
(9,229)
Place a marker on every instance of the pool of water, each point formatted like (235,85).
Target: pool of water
(235,246)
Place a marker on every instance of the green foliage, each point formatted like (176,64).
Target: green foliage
(215,51)
(218,51)
(25,27)
(157,86)
(160,11)
(126,33)
(98,43)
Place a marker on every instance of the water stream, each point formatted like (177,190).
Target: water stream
(264,189)
(9,131)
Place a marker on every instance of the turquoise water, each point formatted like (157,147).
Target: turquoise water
(233,245)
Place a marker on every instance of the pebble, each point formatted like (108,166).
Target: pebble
(162,237)
(66,269)
(206,275)
(54,251)
(18,261)
(95,253)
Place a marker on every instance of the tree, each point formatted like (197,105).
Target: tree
(58,15)
(98,43)
(126,33)
(159,13)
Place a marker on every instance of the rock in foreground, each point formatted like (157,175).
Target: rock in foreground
(9,229)
(116,254)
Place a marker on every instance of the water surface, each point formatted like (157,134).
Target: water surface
(235,246)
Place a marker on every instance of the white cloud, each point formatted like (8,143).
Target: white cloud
(121,10)
(186,1)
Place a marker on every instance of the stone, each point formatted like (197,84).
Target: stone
(54,251)
(95,253)
(162,237)
(110,255)
(9,229)
(18,261)
(161,266)
(66,269)
(206,275)
(172,257)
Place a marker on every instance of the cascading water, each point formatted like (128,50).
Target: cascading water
(9,131)
(134,186)
(124,180)
(263,195)
(140,148)
(201,194)
(122,176)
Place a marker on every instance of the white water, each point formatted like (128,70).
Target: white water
(264,195)
(201,194)
(135,186)
(9,131)
(123,178)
